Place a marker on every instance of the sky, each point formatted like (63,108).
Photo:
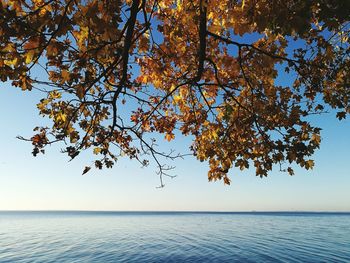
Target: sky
(50,182)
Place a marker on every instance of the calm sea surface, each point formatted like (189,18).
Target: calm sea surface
(173,237)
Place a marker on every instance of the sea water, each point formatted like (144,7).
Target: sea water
(174,237)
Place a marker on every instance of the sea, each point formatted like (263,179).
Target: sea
(82,236)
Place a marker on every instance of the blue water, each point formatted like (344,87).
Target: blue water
(173,237)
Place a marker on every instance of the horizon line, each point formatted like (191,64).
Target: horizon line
(173,211)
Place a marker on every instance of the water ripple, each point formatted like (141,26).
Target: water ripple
(128,237)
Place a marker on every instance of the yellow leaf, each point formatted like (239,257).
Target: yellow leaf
(214,134)
(177,98)
(169,136)
(243,4)
(179,4)
(61,117)
(172,88)
(12,62)
(29,56)
(97,150)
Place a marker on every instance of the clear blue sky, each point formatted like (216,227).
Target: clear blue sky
(50,182)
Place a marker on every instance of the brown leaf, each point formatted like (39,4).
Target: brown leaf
(86,169)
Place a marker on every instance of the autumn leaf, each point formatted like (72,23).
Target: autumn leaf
(97,150)
(113,75)
(316,138)
(80,91)
(341,115)
(227,181)
(86,169)
(309,164)
(65,75)
(169,136)
(32,44)
(29,56)
(290,171)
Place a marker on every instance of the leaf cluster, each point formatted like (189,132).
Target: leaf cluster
(113,73)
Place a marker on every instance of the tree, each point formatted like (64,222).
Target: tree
(114,72)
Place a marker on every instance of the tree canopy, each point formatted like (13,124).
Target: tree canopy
(241,77)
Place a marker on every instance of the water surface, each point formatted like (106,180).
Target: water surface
(174,237)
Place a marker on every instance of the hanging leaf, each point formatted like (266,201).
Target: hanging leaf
(86,169)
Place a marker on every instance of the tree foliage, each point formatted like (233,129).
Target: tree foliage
(114,72)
